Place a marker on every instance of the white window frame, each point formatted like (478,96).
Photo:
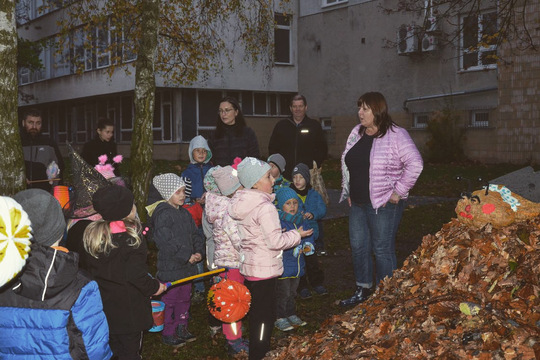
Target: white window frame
(417,124)
(326,3)
(286,28)
(25,76)
(481,49)
(479,123)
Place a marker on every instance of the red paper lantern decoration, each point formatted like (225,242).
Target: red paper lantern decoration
(228,300)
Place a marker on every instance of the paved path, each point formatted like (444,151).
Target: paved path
(337,210)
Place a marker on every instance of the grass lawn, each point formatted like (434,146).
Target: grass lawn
(436,180)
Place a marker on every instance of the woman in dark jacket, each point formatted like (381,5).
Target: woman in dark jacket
(232,138)
(103,144)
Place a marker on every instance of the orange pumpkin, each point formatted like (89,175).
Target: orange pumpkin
(228,300)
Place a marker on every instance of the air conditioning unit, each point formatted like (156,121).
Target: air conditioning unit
(429,42)
(407,42)
(431,24)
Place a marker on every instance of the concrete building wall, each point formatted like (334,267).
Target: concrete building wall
(345,52)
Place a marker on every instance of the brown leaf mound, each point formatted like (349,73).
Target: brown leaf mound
(492,273)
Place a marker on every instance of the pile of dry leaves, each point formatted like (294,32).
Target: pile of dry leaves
(463,294)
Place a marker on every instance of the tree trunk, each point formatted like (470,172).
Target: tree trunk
(145,86)
(11,156)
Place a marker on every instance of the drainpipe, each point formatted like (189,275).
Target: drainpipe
(429,97)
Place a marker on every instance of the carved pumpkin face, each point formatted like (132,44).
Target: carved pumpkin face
(480,209)
(499,206)
(228,300)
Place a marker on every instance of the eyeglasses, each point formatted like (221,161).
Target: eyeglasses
(225,111)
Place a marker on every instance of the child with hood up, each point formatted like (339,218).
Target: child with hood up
(199,158)
(261,248)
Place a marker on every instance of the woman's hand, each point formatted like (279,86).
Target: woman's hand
(394,199)
(162,288)
(349,201)
(308,216)
(304,233)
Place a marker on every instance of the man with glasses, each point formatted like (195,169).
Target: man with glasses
(298,139)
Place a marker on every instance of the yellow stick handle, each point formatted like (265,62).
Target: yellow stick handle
(171,283)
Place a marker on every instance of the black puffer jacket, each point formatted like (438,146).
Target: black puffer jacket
(229,146)
(96,147)
(125,285)
(177,238)
(298,144)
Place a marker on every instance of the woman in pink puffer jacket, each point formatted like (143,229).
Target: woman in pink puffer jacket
(380,165)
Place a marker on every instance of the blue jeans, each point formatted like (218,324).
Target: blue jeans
(373,231)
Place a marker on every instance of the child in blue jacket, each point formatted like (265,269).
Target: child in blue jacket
(313,208)
(293,264)
(199,157)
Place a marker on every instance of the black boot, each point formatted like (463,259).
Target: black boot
(361,294)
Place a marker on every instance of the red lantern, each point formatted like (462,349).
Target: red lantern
(228,300)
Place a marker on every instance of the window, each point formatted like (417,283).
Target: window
(162,124)
(61,59)
(479,41)
(103,42)
(479,118)
(282,39)
(332,2)
(420,120)
(259,102)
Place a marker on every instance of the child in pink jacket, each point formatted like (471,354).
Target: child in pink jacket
(227,243)
(261,247)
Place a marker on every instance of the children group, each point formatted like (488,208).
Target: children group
(244,217)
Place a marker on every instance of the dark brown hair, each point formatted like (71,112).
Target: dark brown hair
(239,122)
(377,103)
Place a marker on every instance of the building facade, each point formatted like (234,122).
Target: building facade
(332,51)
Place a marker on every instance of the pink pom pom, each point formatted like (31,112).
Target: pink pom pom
(102,159)
(236,161)
(118,159)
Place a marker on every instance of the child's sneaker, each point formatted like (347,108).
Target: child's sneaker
(214,330)
(237,346)
(305,294)
(283,324)
(320,290)
(296,321)
(183,333)
(172,340)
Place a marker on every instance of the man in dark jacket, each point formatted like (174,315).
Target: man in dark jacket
(298,138)
(39,152)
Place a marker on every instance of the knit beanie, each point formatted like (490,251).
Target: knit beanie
(227,180)
(168,184)
(45,214)
(303,170)
(284,194)
(113,202)
(279,160)
(250,170)
(209,181)
(14,238)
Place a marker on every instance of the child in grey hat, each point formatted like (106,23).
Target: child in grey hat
(180,248)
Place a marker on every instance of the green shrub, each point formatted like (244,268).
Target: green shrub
(446,137)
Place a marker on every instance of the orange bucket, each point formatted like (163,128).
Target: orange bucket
(158,313)
(61,193)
